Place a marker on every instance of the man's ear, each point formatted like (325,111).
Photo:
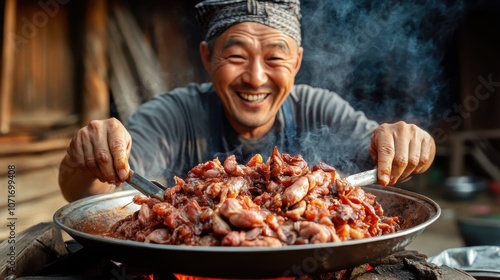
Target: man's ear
(205,56)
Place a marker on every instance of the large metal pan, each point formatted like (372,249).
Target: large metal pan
(85,219)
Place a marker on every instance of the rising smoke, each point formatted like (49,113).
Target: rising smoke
(385,57)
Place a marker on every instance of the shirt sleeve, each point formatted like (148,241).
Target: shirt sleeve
(151,144)
(168,138)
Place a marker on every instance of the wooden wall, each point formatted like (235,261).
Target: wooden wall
(65,63)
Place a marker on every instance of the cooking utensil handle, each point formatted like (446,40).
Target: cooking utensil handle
(363,179)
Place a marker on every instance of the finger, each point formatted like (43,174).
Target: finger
(383,143)
(105,161)
(119,145)
(414,156)
(400,160)
(102,161)
(76,154)
(89,158)
(426,154)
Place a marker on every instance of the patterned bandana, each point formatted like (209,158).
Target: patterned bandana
(215,16)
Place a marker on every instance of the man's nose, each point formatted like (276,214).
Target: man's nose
(255,74)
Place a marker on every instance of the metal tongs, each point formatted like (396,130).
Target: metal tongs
(363,178)
(145,186)
(156,190)
(359,179)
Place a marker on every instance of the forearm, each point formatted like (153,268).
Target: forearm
(75,184)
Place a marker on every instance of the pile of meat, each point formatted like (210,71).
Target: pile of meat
(274,203)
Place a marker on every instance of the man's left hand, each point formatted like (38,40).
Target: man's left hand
(401,150)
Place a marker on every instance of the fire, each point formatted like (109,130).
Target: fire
(187,277)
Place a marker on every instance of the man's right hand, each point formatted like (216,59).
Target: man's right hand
(99,151)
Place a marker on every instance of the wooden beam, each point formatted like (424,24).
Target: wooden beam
(31,147)
(8,51)
(143,58)
(96,92)
(121,80)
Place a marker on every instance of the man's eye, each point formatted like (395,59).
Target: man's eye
(235,56)
(275,58)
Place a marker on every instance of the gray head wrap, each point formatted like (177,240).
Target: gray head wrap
(215,16)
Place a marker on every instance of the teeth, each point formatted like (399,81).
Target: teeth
(253,97)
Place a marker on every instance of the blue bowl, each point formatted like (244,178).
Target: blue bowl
(480,227)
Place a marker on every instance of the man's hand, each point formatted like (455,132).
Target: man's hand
(400,150)
(101,150)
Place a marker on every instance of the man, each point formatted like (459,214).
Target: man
(252,53)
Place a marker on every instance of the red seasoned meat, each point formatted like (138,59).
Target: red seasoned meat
(274,203)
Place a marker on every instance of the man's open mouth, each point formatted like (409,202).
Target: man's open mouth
(252,97)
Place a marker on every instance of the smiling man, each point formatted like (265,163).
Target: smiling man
(252,67)
(252,52)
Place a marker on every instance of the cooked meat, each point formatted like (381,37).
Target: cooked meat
(274,203)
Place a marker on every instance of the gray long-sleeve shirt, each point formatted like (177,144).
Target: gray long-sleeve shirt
(177,130)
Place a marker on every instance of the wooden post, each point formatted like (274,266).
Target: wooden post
(8,65)
(95,92)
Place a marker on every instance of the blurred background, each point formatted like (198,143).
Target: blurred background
(434,63)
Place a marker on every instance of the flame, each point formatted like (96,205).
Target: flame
(187,277)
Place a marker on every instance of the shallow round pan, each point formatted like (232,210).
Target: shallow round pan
(85,219)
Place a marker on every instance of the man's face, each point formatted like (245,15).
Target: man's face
(253,69)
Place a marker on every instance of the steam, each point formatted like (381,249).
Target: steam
(334,149)
(383,56)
